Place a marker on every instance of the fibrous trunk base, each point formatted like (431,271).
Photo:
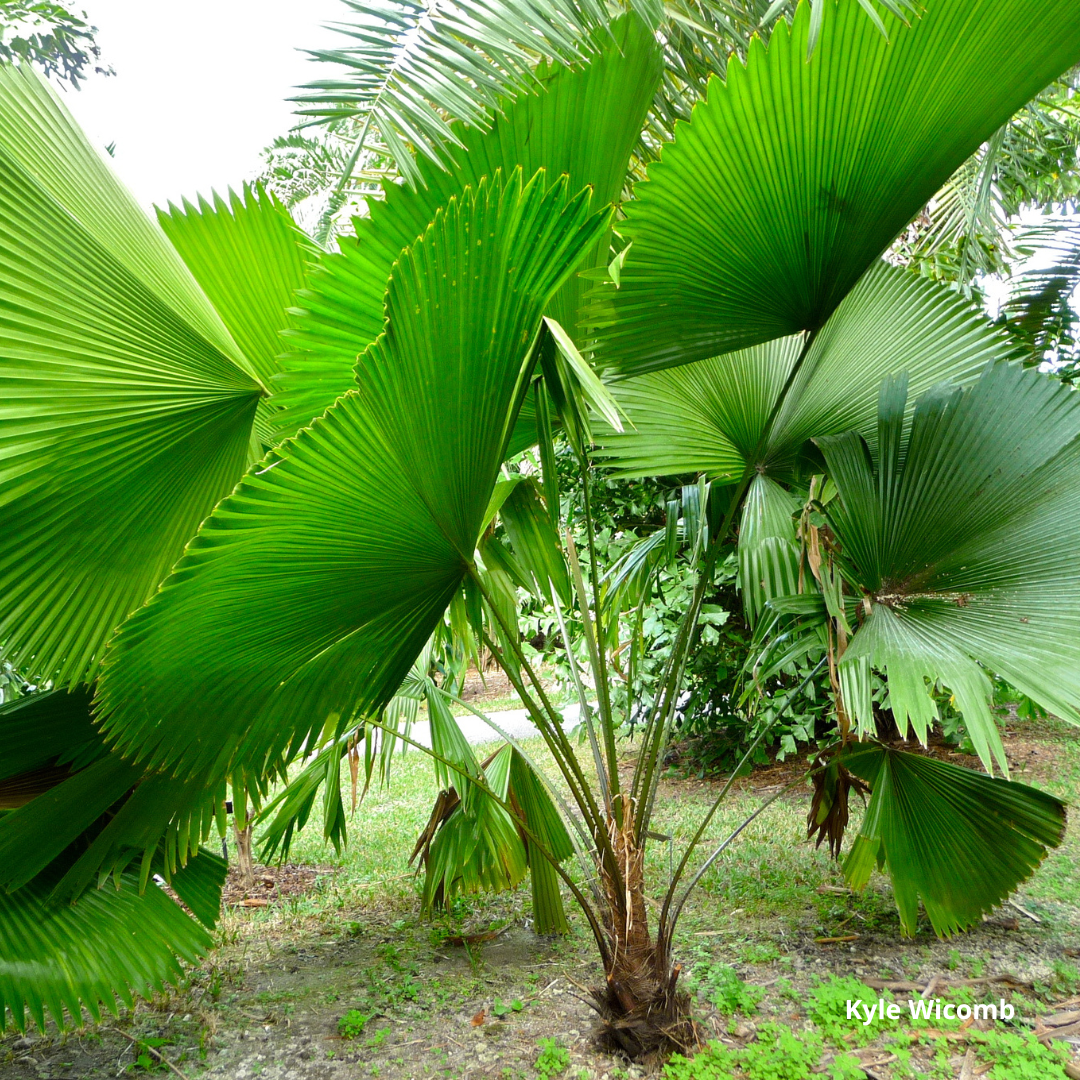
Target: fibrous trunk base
(642,1013)
(657,1024)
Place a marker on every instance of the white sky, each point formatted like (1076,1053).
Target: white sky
(200,87)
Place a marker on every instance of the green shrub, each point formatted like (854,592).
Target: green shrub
(1020,1056)
(826,1007)
(778,1054)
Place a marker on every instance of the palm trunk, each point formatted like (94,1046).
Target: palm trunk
(643,1011)
(244,861)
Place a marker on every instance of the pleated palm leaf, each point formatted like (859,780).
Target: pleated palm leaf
(954,838)
(943,563)
(126,937)
(134,398)
(403,68)
(768,207)
(129,403)
(1038,312)
(476,283)
(342,307)
(949,540)
(757,408)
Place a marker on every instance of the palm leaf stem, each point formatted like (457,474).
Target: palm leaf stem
(600,666)
(560,749)
(593,643)
(566,759)
(566,762)
(586,908)
(658,726)
(732,837)
(586,709)
(322,231)
(665,930)
(659,722)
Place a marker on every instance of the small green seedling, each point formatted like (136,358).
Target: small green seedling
(351,1025)
(553,1059)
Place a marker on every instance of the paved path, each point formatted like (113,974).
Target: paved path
(515,722)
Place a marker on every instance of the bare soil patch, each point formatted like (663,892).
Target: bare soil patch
(272,884)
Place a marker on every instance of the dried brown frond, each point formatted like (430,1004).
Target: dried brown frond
(828,814)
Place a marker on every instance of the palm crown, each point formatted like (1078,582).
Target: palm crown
(245,546)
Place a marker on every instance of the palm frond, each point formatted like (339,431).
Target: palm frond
(468,848)
(473,850)
(710,416)
(1039,312)
(953,538)
(410,70)
(127,404)
(956,839)
(360,529)
(772,202)
(74,804)
(60,785)
(342,309)
(1029,162)
(250,259)
(44,729)
(535,543)
(768,556)
(411,65)
(114,943)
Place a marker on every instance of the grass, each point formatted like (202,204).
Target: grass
(769,876)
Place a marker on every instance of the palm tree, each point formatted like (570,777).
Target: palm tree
(450,333)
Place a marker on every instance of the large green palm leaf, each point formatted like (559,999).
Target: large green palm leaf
(957,839)
(126,404)
(954,539)
(115,941)
(37,730)
(357,532)
(342,308)
(73,801)
(249,257)
(795,175)
(60,786)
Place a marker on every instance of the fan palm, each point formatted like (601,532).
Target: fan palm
(449,333)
